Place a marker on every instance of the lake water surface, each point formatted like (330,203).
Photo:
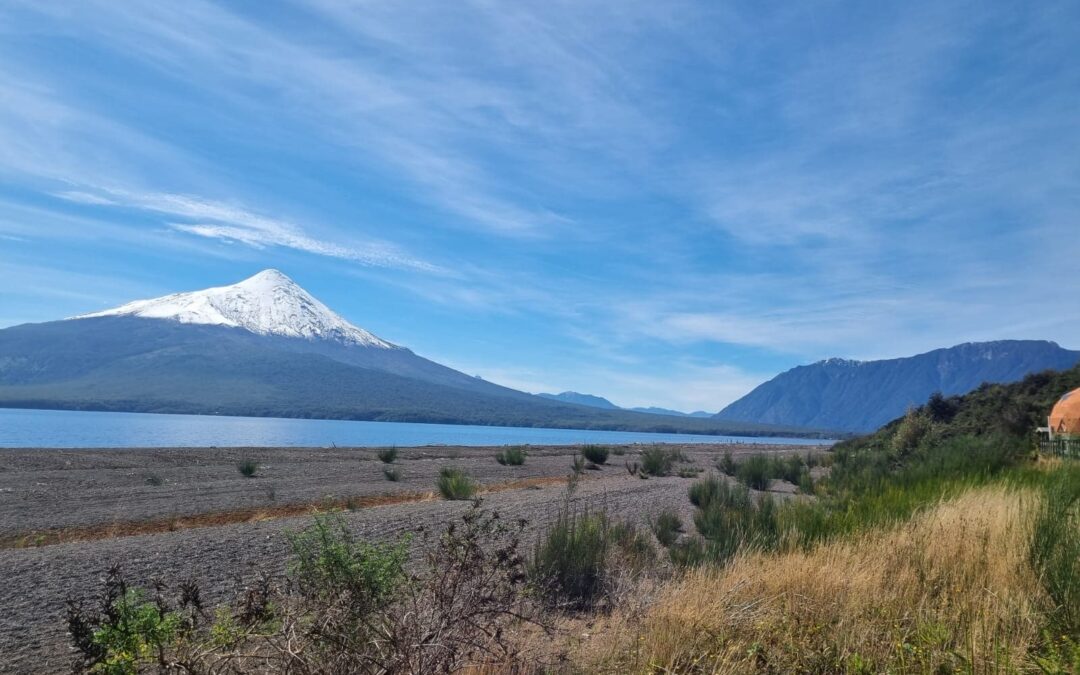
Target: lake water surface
(78,429)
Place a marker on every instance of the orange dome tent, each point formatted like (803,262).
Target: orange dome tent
(1065,417)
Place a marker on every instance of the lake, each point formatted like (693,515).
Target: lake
(79,429)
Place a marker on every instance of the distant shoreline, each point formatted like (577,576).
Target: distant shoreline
(692,426)
(32,427)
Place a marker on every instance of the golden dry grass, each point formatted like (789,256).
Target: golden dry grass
(951,589)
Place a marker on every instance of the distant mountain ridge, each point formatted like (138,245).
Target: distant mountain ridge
(266,347)
(601,402)
(581,399)
(860,396)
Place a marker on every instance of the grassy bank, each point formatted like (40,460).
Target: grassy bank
(953,589)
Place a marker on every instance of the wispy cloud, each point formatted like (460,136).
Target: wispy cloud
(237,224)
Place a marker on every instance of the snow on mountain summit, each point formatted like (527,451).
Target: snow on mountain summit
(268,303)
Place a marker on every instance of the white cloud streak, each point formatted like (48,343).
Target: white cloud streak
(237,224)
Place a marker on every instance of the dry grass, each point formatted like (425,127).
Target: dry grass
(952,589)
(246,515)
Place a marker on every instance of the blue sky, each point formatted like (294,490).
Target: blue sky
(662,203)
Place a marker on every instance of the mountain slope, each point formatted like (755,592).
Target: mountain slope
(265,347)
(863,395)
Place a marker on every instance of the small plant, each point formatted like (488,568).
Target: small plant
(666,526)
(632,468)
(573,560)
(512,456)
(727,464)
(387,455)
(247,468)
(790,468)
(392,474)
(689,472)
(127,630)
(155,480)
(658,461)
(597,454)
(329,562)
(578,465)
(755,472)
(703,492)
(618,451)
(455,484)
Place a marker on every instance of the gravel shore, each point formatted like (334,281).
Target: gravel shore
(44,490)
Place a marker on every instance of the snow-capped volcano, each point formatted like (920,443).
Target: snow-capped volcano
(268,303)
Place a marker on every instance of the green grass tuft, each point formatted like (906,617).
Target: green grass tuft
(455,484)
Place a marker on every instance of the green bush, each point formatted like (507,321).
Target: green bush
(128,630)
(512,456)
(247,468)
(666,526)
(597,454)
(392,474)
(455,484)
(329,562)
(727,464)
(755,472)
(576,556)
(387,455)
(568,564)
(789,468)
(578,465)
(618,451)
(704,491)
(658,461)
(733,519)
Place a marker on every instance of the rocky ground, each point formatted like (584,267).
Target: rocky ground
(78,490)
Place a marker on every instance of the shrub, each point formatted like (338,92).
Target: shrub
(387,455)
(755,472)
(347,607)
(734,520)
(126,630)
(727,464)
(455,484)
(155,480)
(247,468)
(392,474)
(512,456)
(632,468)
(704,491)
(578,465)
(329,562)
(911,432)
(575,559)
(666,526)
(658,461)
(618,451)
(789,468)
(597,454)
(689,472)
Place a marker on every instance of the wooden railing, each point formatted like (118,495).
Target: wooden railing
(1062,447)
